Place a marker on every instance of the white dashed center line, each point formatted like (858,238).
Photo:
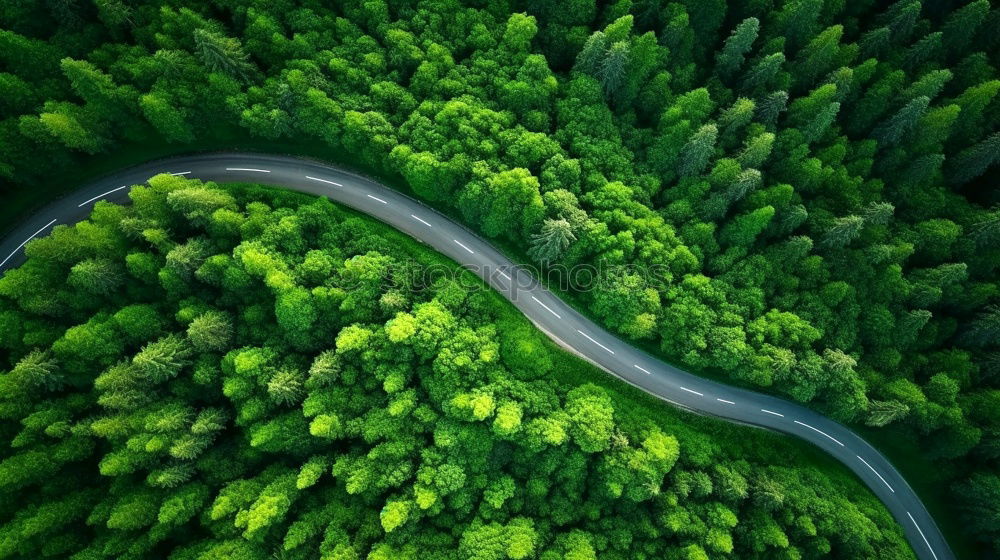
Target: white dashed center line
(181,173)
(725,401)
(324,181)
(819,432)
(771,412)
(102,195)
(585,335)
(377,198)
(922,535)
(248,169)
(504,274)
(691,391)
(419,219)
(642,369)
(25,242)
(876,473)
(464,247)
(546,307)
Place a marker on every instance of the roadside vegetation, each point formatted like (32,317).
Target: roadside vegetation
(816,177)
(251,374)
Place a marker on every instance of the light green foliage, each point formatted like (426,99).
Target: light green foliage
(552,241)
(748,152)
(206,418)
(222,54)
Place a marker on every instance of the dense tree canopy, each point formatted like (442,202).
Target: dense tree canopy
(817,177)
(233,398)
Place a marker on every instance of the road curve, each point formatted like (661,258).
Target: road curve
(557,319)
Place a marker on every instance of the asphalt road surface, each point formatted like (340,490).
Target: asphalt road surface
(557,319)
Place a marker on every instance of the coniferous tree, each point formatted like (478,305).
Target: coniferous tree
(698,151)
(973,161)
(552,241)
(223,54)
(612,71)
(730,58)
(883,413)
(593,54)
(843,230)
(892,130)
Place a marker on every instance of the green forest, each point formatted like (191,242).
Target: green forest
(817,177)
(276,382)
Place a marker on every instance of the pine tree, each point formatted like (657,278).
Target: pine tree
(973,161)
(38,369)
(771,106)
(878,213)
(893,129)
(209,421)
(819,57)
(928,48)
(324,370)
(757,150)
(592,55)
(883,413)
(903,18)
(97,276)
(910,323)
(223,54)
(820,123)
(986,232)
(698,151)
(738,115)
(210,332)
(285,387)
(843,231)
(114,13)
(961,25)
(163,359)
(985,329)
(762,73)
(797,20)
(730,58)
(844,80)
(929,85)
(612,72)
(552,241)
(875,42)
(171,476)
(746,182)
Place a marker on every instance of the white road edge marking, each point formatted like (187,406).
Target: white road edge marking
(642,369)
(461,245)
(181,173)
(546,307)
(86,202)
(691,391)
(376,198)
(248,169)
(324,181)
(417,218)
(725,401)
(876,473)
(771,412)
(929,547)
(25,242)
(587,336)
(819,431)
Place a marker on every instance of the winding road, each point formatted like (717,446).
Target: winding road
(557,319)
